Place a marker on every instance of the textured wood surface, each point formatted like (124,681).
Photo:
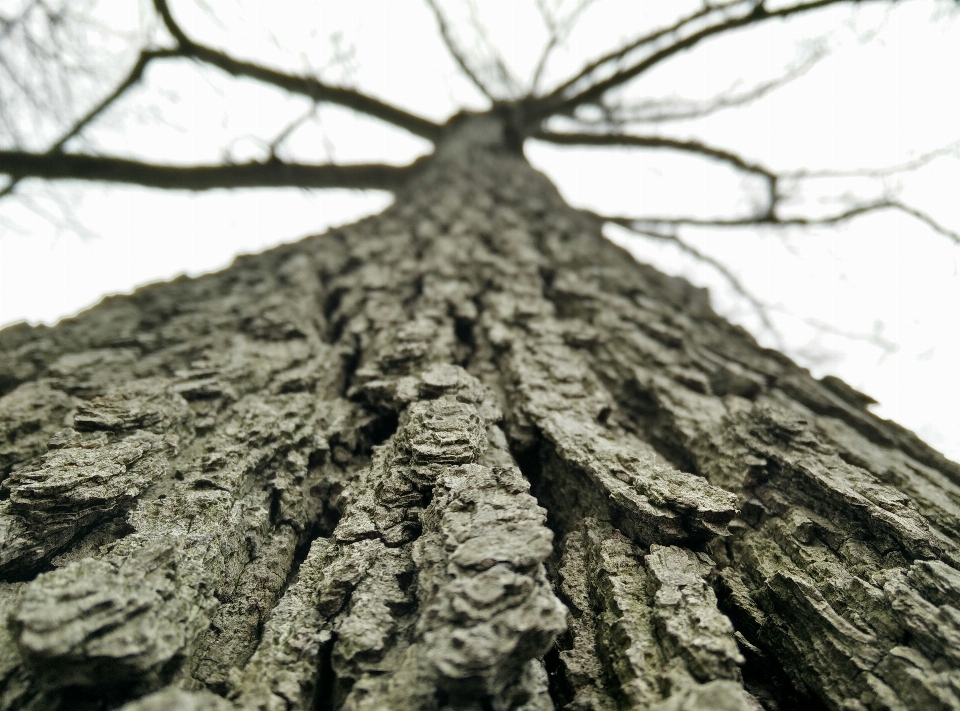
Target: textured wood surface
(462,455)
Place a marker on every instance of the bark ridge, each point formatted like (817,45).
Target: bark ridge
(462,455)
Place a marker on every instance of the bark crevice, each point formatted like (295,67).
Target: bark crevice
(305,483)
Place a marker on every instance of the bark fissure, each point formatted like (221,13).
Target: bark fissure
(463,454)
(807,484)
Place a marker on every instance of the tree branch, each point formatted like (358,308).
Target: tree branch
(558,30)
(905,167)
(274,173)
(769,214)
(308,86)
(875,339)
(743,14)
(678,109)
(495,59)
(624,139)
(651,223)
(622,52)
(133,76)
(458,55)
(658,142)
(8,24)
(758,306)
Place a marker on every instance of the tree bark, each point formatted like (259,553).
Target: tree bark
(466,454)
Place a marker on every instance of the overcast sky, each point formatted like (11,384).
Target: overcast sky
(875,303)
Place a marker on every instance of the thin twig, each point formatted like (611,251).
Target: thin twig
(905,167)
(776,221)
(286,132)
(458,55)
(667,110)
(133,76)
(732,279)
(874,339)
(510,82)
(559,102)
(625,139)
(558,32)
(623,51)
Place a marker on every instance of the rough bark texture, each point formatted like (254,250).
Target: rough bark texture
(462,455)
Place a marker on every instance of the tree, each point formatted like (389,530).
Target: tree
(463,454)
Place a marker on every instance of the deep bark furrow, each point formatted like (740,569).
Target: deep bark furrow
(652,623)
(219,519)
(305,482)
(810,569)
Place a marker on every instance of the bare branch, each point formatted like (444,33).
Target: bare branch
(558,30)
(906,167)
(308,86)
(667,110)
(875,338)
(652,223)
(553,39)
(769,214)
(459,56)
(8,24)
(275,173)
(171,24)
(496,61)
(289,130)
(672,237)
(272,147)
(133,77)
(711,20)
(622,52)
(51,55)
(925,219)
(623,139)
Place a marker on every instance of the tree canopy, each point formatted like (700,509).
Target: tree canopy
(64,72)
(589,102)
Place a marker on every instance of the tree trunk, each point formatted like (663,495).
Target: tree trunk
(466,454)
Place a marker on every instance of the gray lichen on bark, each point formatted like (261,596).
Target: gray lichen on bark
(465,454)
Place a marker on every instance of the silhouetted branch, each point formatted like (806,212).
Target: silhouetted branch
(133,76)
(651,223)
(69,166)
(711,20)
(49,63)
(623,51)
(305,85)
(557,32)
(875,339)
(770,178)
(459,56)
(925,219)
(666,110)
(289,130)
(8,24)
(666,229)
(623,139)
(769,214)
(495,59)
(756,304)
(905,167)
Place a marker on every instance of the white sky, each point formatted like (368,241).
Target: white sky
(870,103)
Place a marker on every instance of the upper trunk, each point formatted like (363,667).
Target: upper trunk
(303,482)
